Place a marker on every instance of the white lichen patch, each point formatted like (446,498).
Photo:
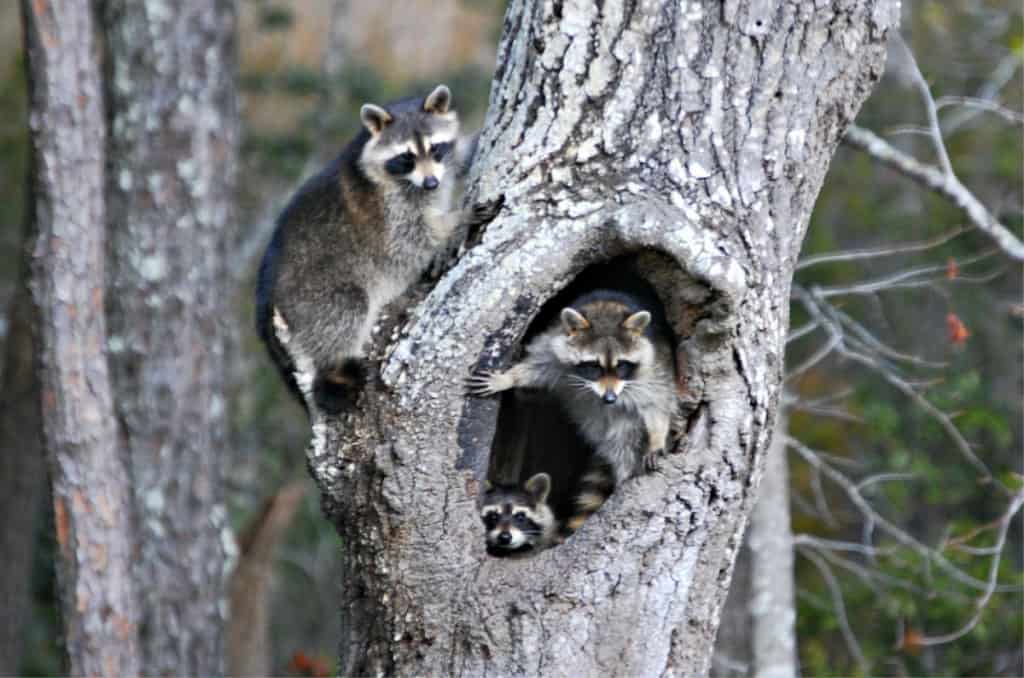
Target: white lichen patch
(153,267)
(652,127)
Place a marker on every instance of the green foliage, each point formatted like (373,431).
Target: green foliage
(896,598)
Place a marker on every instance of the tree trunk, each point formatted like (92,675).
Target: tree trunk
(696,136)
(761,608)
(91,489)
(172,150)
(772,601)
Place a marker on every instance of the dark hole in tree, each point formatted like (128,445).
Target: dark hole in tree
(534,432)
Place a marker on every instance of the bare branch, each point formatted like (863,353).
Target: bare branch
(993,576)
(840,608)
(825,314)
(1007,114)
(929,106)
(927,554)
(945,184)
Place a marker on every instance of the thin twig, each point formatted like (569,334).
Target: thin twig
(993,577)
(840,609)
(877,252)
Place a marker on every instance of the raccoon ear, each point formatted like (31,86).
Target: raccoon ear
(438,101)
(374,118)
(538,487)
(573,321)
(637,322)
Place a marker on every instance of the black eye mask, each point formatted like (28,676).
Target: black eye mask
(401,164)
(590,370)
(439,151)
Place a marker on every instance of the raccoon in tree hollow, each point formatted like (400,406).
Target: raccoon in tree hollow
(518,519)
(614,370)
(354,237)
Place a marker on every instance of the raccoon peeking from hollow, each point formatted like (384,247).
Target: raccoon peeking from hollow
(356,236)
(610,361)
(517,519)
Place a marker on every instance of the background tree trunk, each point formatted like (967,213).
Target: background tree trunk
(700,132)
(772,589)
(22,476)
(172,151)
(91,489)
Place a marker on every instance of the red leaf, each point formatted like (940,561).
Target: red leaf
(958,332)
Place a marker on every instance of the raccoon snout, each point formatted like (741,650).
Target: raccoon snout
(430,183)
(504,539)
(610,397)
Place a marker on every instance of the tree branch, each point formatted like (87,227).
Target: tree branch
(945,184)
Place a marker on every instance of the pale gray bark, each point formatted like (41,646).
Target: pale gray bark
(757,636)
(701,131)
(91,487)
(772,601)
(172,160)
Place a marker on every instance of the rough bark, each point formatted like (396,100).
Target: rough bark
(699,131)
(22,476)
(170,188)
(91,488)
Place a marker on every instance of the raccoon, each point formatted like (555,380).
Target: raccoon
(355,236)
(518,519)
(612,368)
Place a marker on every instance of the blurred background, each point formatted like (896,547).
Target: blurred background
(305,67)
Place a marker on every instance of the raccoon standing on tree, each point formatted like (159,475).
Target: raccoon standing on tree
(356,236)
(614,370)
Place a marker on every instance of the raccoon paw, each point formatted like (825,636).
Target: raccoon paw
(651,459)
(487,383)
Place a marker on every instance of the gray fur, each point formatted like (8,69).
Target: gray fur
(356,235)
(631,432)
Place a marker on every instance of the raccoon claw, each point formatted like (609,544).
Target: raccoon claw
(483,383)
(651,461)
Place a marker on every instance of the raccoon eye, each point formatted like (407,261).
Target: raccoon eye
(520,519)
(401,164)
(491,521)
(590,370)
(625,369)
(439,151)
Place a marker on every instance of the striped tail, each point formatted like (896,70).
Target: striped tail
(594,488)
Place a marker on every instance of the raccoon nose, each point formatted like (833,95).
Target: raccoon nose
(504,539)
(430,183)
(610,397)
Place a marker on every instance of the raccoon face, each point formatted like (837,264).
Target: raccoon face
(411,145)
(606,349)
(517,520)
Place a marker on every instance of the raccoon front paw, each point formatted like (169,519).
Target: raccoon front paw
(651,459)
(487,383)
